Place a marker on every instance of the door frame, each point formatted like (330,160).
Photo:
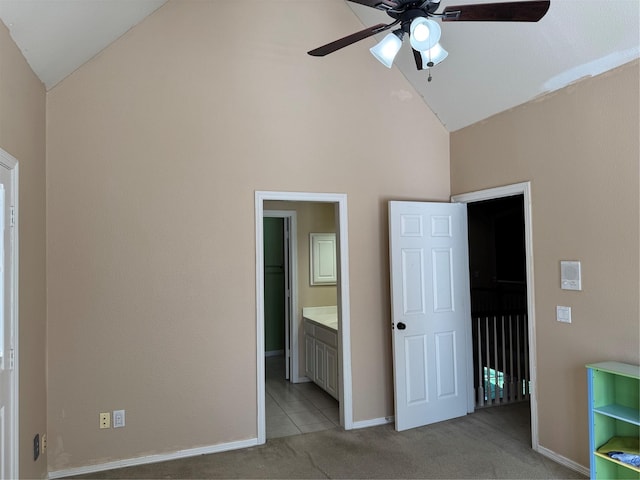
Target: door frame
(10,163)
(524,189)
(291,328)
(344,337)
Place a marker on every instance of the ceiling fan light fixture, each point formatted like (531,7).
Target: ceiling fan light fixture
(387,49)
(424,33)
(421,32)
(433,56)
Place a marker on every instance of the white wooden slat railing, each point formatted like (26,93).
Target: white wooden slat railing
(501,359)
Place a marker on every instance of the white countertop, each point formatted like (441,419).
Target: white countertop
(323,316)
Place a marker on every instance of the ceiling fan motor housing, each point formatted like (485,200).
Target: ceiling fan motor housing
(407,17)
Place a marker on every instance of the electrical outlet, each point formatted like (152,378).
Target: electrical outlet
(105,420)
(118,418)
(43,443)
(36,447)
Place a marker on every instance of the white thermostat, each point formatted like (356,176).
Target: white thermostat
(570,276)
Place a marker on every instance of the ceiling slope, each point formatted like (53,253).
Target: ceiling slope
(491,67)
(58,36)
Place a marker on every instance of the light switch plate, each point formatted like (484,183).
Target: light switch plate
(118,418)
(563,314)
(570,275)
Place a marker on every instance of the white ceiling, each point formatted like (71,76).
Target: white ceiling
(491,67)
(57,36)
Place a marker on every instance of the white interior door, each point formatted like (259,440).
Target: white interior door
(8,379)
(430,311)
(287,299)
(5,361)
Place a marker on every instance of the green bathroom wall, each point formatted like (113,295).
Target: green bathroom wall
(274,284)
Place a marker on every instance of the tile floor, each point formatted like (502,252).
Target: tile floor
(294,408)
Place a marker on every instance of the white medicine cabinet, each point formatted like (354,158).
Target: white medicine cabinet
(323,270)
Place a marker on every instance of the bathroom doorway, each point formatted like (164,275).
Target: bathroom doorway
(338,203)
(297,400)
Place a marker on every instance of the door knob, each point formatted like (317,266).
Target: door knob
(401,326)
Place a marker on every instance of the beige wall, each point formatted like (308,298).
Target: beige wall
(155,150)
(22,135)
(579,148)
(311,217)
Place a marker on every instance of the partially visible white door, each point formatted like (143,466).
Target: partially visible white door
(8,380)
(287,297)
(430,311)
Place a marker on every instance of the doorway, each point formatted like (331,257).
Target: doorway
(340,206)
(295,403)
(497,274)
(516,289)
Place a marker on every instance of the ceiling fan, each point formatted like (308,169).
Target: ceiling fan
(415,18)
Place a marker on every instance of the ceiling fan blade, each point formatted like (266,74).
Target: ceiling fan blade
(348,40)
(379,4)
(530,11)
(417,56)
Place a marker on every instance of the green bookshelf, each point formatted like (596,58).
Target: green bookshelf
(614,416)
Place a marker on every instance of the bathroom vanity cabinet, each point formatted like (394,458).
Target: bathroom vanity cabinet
(321,348)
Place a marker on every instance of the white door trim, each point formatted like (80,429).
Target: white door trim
(293,281)
(344,338)
(524,189)
(10,163)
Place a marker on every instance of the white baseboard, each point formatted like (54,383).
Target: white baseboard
(556,457)
(374,422)
(162,457)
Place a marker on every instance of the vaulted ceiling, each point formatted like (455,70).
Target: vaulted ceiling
(491,67)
